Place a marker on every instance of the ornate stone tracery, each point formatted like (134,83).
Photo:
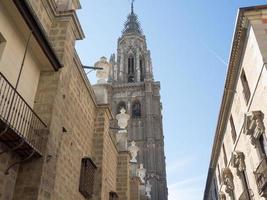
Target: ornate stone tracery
(254,126)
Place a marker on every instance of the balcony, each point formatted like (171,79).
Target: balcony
(20,127)
(261,177)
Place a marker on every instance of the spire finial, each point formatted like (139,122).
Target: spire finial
(132,8)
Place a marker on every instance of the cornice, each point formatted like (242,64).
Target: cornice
(131,36)
(127,85)
(108,110)
(84,76)
(69,15)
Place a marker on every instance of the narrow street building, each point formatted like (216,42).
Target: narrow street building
(238,166)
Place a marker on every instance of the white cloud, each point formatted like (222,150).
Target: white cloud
(179,165)
(187,189)
(181,188)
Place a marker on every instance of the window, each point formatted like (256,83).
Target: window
(263,145)
(113,196)
(219,174)
(246,90)
(87,173)
(121,105)
(233,131)
(130,69)
(2,44)
(136,109)
(142,70)
(224,156)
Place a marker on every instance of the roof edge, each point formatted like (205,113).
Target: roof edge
(38,33)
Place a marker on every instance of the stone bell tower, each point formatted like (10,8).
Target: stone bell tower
(132,86)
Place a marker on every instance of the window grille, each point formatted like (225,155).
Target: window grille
(87,174)
(113,196)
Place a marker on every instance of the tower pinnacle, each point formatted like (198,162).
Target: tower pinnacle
(132,24)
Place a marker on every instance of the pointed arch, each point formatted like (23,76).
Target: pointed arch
(120,105)
(131,64)
(136,109)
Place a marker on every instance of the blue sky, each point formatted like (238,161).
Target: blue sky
(190,43)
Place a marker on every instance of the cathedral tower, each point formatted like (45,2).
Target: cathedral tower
(132,86)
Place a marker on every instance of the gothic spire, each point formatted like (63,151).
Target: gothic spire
(132,7)
(132,24)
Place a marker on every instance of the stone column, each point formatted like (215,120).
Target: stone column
(123,175)
(137,74)
(121,70)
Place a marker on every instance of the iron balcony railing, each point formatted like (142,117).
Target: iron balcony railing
(20,127)
(261,177)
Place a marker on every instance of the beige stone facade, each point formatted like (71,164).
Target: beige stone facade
(45,162)
(238,167)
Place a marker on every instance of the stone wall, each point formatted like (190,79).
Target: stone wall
(7,182)
(134,188)
(105,156)
(123,175)
(66,103)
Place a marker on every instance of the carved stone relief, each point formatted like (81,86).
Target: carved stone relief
(227,180)
(254,126)
(238,162)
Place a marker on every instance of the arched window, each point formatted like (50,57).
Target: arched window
(142,69)
(121,105)
(136,109)
(130,69)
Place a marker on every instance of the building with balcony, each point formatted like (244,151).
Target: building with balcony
(238,166)
(55,136)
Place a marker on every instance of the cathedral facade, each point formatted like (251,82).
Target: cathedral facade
(132,87)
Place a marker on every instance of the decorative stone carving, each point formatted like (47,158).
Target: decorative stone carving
(227,178)
(222,196)
(102,74)
(133,150)
(254,126)
(142,173)
(148,190)
(238,162)
(122,136)
(122,119)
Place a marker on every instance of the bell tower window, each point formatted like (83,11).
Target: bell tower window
(142,70)
(136,109)
(130,69)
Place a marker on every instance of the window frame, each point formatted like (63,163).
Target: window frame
(87,173)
